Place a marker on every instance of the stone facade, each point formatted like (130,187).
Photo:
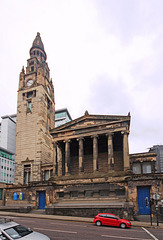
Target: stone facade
(79,168)
(91,144)
(35,116)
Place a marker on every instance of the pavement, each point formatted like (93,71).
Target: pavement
(72,218)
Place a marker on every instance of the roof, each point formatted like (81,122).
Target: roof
(143,154)
(63,110)
(8,225)
(89,117)
(10,117)
(37,43)
(6,151)
(87,125)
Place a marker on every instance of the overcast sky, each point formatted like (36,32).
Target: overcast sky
(105,56)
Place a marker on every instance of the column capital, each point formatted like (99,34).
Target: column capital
(67,141)
(126,132)
(80,138)
(109,134)
(95,136)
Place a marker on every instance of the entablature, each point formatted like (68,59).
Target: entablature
(73,135)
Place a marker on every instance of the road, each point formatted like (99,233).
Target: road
(64,230)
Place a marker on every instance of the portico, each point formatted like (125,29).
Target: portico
(91,144)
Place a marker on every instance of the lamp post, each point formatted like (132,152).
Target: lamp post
(156,197)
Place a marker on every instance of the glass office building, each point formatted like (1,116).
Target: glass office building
(7,166)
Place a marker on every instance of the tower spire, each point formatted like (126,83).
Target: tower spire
(37,49)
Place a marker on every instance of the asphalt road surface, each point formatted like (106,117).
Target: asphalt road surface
(69,230)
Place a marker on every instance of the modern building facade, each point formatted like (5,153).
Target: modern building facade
(8,128)
(8,132)
(7,166)
(158,149)
(62,116)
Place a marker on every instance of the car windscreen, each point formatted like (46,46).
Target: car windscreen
(18,231)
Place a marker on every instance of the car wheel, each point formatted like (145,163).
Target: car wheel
(98,223)
(123,225)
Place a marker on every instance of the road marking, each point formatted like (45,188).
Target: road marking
(55,223)
(126,230)
(59,223)
(45,229)
(150,233)
(125,237)
(79,225)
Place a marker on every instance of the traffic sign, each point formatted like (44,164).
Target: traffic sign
(156,196)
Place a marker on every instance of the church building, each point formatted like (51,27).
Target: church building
(79,168)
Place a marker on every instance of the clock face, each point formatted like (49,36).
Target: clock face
(48,89)
(29,82)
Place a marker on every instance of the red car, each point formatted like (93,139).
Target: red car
(110,219)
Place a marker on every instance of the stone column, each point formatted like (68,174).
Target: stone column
(67,157)
(59,160)
(81,155)
(110,151)
(126,160)
(95,153)
(54,158)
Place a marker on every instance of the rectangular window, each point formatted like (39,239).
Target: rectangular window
(25,178)
(30,105)
(74,194)
(46,175)
(29,94)
(27,173)
(29,176)
(147,168)
(88,194)
(120,192)
(136,168)
(104,193)
(1,194)
(61,194)
(31,62)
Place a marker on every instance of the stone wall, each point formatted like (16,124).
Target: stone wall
(120,211)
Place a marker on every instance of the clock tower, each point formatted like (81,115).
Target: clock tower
(35,116)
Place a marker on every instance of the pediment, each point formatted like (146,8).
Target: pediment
(90,121)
